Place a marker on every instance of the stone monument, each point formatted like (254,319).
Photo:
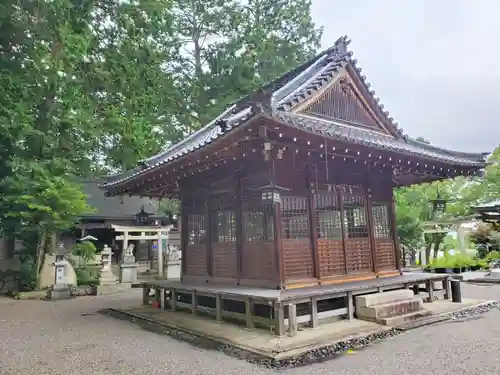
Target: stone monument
(60,288)
(106,275)
(172,262)
(128,267)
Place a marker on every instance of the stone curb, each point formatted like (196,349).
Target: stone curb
(319,354)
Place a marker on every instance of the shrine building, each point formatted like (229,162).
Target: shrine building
(292,186)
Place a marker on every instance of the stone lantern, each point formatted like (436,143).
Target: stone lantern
(60,288)
(142,217)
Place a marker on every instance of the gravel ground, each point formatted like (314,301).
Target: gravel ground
(69,337)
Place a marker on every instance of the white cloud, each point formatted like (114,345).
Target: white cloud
(434,64)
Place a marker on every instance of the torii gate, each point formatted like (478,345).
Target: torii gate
(158,233)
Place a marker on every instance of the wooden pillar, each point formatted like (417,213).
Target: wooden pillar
(292,320)
(208,245)
(218,307)
(314,313)
(369,215)
(394,230)
(194,302)
(446,287)
(173,299)
(239,225)
(184,235)
(343,229)
(278,237)
(371,228)
(279,319)
(350,306)
(312,221)
(249,314)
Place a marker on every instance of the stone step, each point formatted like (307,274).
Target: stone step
(368,300)
(404,318)
(386,310)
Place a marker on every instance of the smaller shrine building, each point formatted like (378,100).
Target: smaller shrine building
(292,185)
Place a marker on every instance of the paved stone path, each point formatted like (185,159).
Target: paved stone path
(69,337)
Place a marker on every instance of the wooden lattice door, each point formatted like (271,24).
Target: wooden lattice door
(356,231)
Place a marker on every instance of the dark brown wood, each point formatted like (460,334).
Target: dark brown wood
(395,234)
(312,220)
(184,237)
(208,246)
(278,235)
(369,214)
(341,206)
(341,101)
(239,225)
(278,245)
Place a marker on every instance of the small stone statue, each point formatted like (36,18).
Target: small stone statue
(130,250)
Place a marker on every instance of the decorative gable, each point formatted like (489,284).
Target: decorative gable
(342,100)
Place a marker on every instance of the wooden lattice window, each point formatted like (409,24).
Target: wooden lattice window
(328,216)
(355,220)
(381,222)
(224,226)
(295,217)
(197,232)
(258,222)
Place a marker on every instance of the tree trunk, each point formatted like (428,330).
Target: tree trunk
(428,248)
(40,252)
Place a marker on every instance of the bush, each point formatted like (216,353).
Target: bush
(456,261)
(85,250)
(493,255)
(27,279)
(86,276)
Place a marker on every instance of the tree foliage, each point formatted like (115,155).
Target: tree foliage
(92,87)
(413,207)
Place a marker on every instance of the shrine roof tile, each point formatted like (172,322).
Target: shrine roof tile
(283,94)
(366,137)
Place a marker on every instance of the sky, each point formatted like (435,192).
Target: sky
(435,65)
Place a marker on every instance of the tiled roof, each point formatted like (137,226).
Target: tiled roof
(369,138)
(115,207)
(281,95)
(493,204)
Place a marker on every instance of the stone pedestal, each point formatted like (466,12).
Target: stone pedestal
(59,292)
(172,269)
(60,289)
(128,273)
(129,259)
(128,269)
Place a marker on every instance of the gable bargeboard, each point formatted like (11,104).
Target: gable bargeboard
(341,99)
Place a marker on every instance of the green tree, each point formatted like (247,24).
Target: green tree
(231,48)
(130,84)
(45,125)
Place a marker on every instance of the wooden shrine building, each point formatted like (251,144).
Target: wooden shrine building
(489,212)
(292,185)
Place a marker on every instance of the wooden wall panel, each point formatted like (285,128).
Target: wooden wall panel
(386,254)
(342,102)
(196,260)
(331,258)
(359,255)
(258,261)
(298,259)
(224,260)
